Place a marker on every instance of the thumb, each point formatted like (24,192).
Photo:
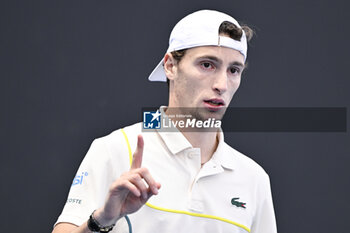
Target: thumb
(137,157)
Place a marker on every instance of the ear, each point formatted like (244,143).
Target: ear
(170,66)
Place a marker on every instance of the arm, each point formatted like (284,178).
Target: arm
(126,195)
(264,220)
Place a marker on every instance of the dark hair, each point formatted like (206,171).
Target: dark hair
(226,28)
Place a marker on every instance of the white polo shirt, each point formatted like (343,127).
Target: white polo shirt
(230,193)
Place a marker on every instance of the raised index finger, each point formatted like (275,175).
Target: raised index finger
(137,157)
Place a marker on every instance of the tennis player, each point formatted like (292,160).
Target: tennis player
(184,180)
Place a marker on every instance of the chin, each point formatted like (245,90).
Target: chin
(205,114)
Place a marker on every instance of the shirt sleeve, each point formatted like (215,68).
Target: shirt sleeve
(90,185)
(264,220)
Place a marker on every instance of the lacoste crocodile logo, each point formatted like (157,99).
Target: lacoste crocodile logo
(237,203)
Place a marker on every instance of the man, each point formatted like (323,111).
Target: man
(183,181)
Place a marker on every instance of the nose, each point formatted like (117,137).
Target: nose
(220,82)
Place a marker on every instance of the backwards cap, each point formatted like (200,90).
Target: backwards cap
(200,28)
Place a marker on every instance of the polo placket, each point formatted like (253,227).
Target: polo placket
(196,202)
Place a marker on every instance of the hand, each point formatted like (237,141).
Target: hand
(129,192)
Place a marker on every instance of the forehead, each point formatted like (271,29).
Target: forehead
(222,53)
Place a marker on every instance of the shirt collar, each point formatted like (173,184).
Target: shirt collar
(176,142)
(224,155)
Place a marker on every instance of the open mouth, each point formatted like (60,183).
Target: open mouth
(215,102)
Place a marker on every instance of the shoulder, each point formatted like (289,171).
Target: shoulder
(114,148)
(118,138)
(245,164)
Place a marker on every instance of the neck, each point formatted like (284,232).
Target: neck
(204,139)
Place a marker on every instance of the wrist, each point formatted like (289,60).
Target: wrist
(101,225)
(103,218)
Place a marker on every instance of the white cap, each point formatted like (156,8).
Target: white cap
(200,28)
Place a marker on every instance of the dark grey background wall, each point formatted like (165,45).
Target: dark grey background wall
(72,71)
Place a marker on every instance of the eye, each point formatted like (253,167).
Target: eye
(235,70)
(207,65)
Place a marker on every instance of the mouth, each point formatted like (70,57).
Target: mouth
(214,104)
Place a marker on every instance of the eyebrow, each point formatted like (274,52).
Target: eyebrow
(216,59)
